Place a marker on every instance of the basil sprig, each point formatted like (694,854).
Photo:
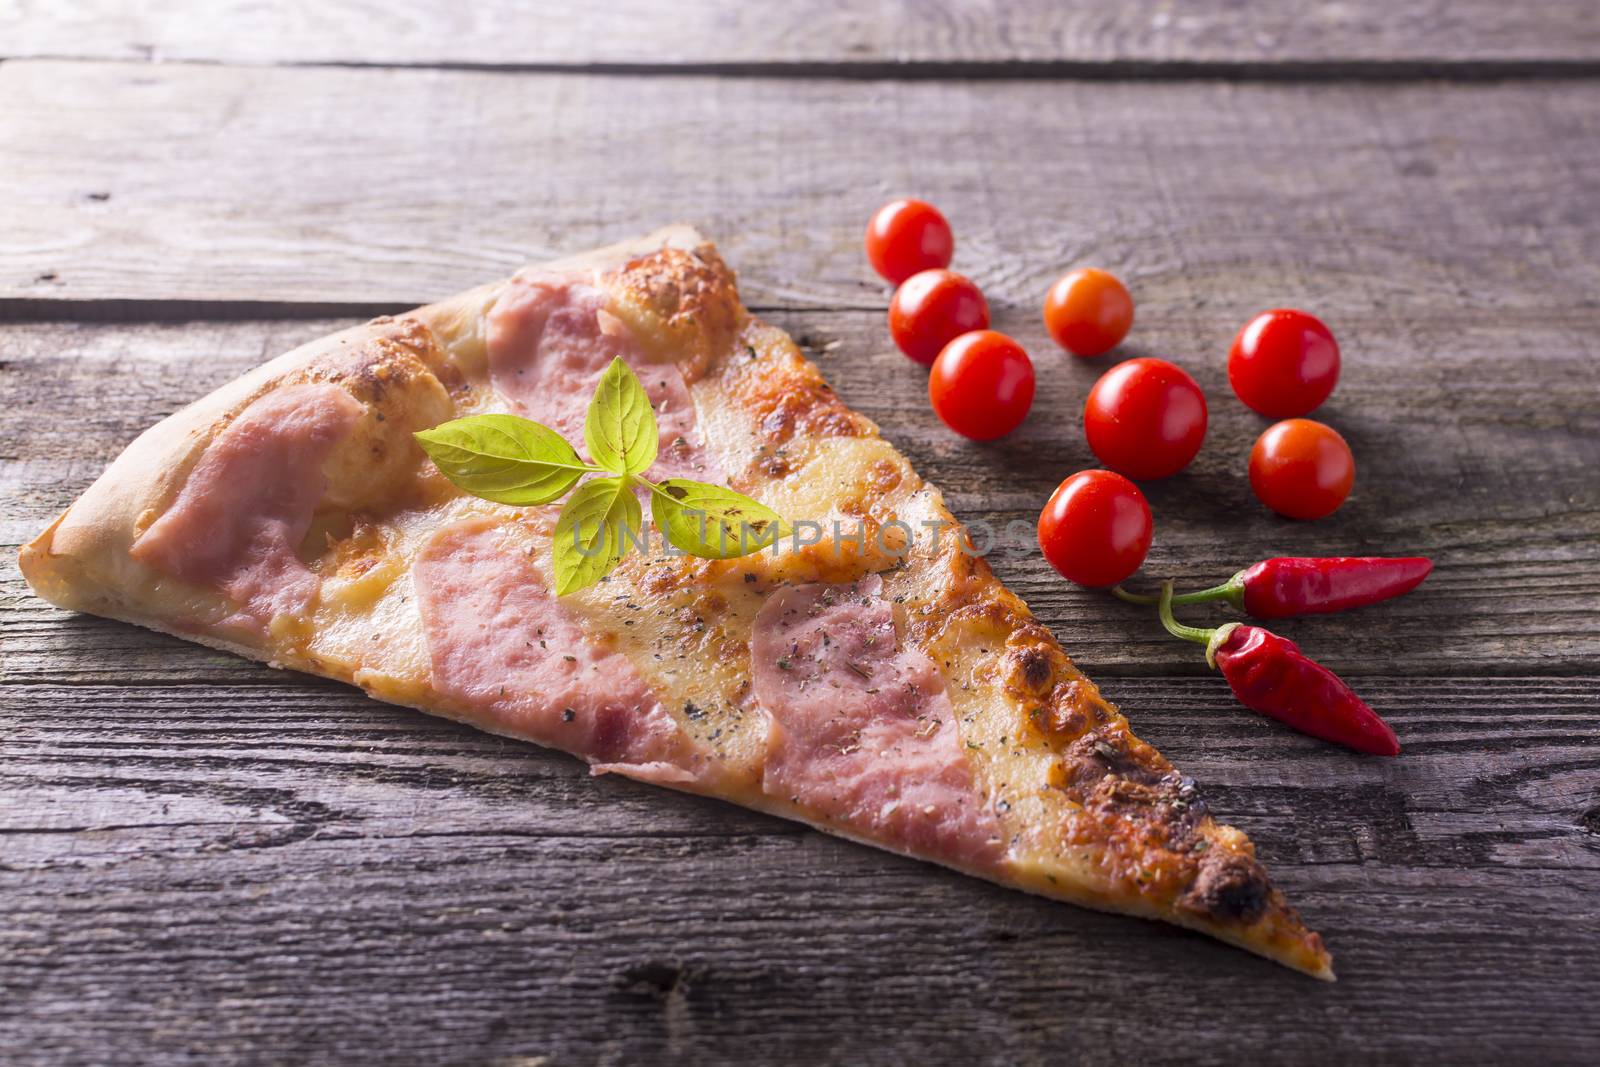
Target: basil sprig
(512,460)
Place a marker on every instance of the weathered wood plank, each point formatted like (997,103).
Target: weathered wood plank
(1501,772)
(830,34)
(259,872)
(1464,454)
(182,183)
(202,860)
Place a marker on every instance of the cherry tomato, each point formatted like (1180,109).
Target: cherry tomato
(906,236)
(982,385)
(1283,363)
(932,308)
(1088,312)
(1145,418)
(1302,468)
(1096,528)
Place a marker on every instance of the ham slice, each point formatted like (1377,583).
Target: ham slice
(502,645)
(862,731)
(551,337)
(248,503)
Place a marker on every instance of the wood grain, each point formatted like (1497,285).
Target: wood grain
(204,861)
(821,36)
(184,183)
(1464,455)
(183,867)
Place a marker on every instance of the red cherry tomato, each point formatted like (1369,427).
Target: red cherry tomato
(1283,363)
(906,236)
(1088,312)
(1096,528)
(1302,468)
(932,308)
(982,385)
(1145,418)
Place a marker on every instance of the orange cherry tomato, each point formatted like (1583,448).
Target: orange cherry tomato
(1145,418)
(1088,312)
(932,308)
(981,385)
(1096,528)
(1283,363)
(906,236)
(1302,469)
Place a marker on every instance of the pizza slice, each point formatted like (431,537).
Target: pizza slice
(883,688)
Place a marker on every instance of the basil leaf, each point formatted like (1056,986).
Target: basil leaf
(503,458)
(593,532)
(621,428)
(712,522)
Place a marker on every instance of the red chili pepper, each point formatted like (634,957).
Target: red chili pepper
(1269,674)
(1296,585)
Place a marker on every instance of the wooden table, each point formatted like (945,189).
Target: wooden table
(205,861)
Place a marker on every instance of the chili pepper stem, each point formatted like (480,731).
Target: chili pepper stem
(1231,590)
(1212,639)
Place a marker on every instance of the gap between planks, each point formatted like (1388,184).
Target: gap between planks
(1296,71)
(135,310)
